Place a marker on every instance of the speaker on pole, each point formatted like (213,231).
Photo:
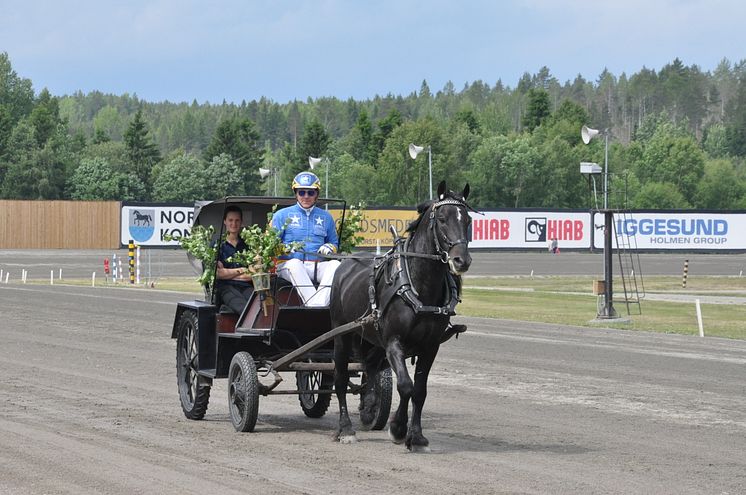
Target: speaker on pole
(313,162)
(586,134)
(415,150)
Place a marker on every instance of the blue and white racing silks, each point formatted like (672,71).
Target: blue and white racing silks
(312,227)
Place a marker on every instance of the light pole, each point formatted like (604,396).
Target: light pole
(415,150)
(264,172)
(608,311)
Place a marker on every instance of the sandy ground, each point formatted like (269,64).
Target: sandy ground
(90,405)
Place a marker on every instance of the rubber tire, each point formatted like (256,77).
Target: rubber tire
(384,387)
(314,405)
(243,392)
(193,397)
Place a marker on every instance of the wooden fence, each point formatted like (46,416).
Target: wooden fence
(59,224)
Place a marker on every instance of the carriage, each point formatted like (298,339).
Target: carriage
(275,334)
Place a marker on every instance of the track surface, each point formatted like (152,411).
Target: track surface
(156,263)
(89,405)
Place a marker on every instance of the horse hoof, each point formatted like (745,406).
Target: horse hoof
(420,449)
(393,438)
(347,439)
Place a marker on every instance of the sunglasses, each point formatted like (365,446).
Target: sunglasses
(309,192)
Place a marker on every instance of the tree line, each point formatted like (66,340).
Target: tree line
(677,139)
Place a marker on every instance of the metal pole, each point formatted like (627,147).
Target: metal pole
(608,311)
(327,177)
(606,170)
(430,166)
(274,172)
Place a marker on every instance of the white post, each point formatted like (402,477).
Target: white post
(532,274)
(7,274)
(378,246)
(1,273)
(121,273)
(51,277)
(430,167)
(93,279)
(137,266)
(114,268)
(23,275)
(699,319)
(60,277)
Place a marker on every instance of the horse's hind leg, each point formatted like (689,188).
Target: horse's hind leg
(369,399)
(342,348)
(416,441)
(398,423)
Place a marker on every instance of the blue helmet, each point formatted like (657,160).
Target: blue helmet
(306,180)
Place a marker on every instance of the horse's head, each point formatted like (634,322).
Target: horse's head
(449,222)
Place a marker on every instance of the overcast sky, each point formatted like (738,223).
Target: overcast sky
(293,49)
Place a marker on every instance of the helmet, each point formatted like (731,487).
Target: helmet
(306,180)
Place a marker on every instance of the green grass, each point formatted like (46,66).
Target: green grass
(569,301)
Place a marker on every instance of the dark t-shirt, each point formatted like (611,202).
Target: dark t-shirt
(226,251)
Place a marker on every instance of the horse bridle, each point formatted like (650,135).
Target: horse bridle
(442,253)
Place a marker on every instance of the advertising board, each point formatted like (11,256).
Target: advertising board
(678,230)
(530,229)
(146,224)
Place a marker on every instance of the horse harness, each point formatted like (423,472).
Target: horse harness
(393,269)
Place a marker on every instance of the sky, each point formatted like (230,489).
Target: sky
(285,50)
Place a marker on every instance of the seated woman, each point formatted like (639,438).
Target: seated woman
(315,227)
(234,284)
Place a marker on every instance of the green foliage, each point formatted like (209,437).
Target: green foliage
(664,127)
(239,141)
(673,158)
(200,245)
(537,110)
(142,152)
(45,117)
(222,177)
(720,188)
(263,246)
(94,179)
(657,195)
(349,237)
(180,179)
(16,93)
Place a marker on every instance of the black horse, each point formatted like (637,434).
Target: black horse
(412,293)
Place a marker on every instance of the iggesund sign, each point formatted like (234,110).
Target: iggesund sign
(677,230)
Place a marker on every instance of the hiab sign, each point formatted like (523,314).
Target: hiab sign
(530,229)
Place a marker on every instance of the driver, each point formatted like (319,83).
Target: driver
(305,222)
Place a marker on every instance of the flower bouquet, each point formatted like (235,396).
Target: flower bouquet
(263,246)
(199,244)
(350,237)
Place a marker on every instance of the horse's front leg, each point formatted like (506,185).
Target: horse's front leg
(342,347)
(404,385)
(416,441)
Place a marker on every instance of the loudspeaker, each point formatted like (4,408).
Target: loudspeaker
(586,134)
(264,172)
(415,150)
(312,162)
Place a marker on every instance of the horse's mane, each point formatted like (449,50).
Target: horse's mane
(425,205)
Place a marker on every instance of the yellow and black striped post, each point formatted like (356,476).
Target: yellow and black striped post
(132,261)
(686,271)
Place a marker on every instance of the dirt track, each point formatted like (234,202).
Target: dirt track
(89,405)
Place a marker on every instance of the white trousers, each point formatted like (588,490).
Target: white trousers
(300,274)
